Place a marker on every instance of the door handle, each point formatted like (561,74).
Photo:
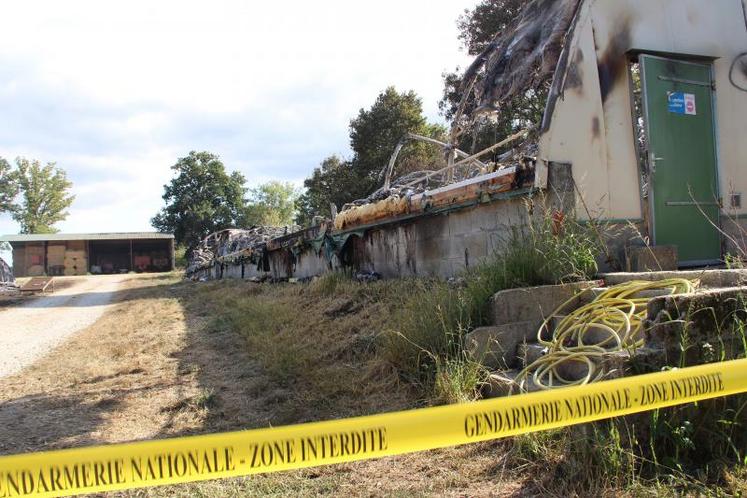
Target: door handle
(692,203)
(653,160)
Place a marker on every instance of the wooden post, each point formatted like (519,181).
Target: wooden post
(132,265)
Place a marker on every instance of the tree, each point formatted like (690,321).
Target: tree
(328,184)
(8,186)
(477,29)
(45,196)
(374,134)
(201,199)
(271,204)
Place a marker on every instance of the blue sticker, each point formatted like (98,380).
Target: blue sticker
(681,103)
(676,102)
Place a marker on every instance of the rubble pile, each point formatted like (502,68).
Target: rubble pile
(6,275)
(418,182)
(233,243)
(7,280)
(405,186)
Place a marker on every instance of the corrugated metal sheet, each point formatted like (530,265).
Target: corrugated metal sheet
(42,237)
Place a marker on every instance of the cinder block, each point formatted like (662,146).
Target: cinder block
(495,347)
(533,304)
(460,222)
(476,247)
(654,258)
(707,278)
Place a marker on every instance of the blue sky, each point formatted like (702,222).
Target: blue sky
(115,92)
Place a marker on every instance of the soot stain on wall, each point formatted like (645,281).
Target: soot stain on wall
(575,76)
(595,127)
(612,64)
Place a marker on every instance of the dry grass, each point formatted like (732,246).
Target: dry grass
(174,358)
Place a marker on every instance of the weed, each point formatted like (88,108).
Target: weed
(206,399)
(426,341)
(458,380)
(330,283)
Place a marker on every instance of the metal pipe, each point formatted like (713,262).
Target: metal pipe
(415,136)
(472,157)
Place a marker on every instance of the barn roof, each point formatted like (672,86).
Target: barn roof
(48,237)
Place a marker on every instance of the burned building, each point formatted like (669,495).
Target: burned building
(643,131)
(649,112)
(70,254)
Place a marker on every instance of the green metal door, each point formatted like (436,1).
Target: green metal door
(683,191)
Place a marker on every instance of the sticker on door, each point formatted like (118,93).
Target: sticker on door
(681,103)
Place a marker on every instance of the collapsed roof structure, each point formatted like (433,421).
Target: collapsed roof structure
(6,275)
(643,127)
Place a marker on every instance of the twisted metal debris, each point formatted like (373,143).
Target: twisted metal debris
(523,57)
(7,280)
(232,244)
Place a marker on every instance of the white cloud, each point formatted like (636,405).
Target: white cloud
(114,92)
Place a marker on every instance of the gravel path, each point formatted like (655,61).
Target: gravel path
(33,329)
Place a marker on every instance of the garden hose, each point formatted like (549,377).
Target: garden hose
(616,316)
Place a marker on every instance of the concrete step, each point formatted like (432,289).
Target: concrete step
(533,304)
(613,366)
(708,278)
(495,347)
(708,316)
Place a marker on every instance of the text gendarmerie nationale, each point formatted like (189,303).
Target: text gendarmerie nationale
(81,475)
(575,408)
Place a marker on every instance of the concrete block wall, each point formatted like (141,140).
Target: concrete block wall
(439,245)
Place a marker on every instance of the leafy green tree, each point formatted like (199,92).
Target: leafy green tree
(201,199)
(45,196)
(8,186)
(328,184)
(272,204)
(477,29)
(479,26)
(374,133)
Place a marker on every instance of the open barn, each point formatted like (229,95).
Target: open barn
(71,254)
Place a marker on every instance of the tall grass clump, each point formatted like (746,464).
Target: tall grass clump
(426,341)
(331,283)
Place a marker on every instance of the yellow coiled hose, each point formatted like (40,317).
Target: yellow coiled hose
(618,312)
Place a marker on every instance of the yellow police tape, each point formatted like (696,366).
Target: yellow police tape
(184,459)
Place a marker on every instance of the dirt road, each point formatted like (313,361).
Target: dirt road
(31,330)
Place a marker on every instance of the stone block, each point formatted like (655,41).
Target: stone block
(461,222)
(653,258)
(708,278)
(495,347)
(612,366)
(533,304)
